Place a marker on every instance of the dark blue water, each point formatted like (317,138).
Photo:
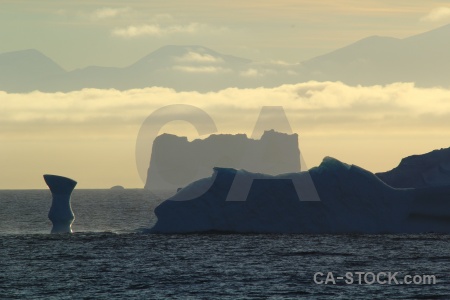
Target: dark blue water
(109,257)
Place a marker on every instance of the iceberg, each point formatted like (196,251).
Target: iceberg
(176,162)
(425,170)
(60,213)
(352,200)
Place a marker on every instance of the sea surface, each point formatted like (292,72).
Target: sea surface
(110,256)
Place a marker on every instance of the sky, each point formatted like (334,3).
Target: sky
(90,135)
(117,33)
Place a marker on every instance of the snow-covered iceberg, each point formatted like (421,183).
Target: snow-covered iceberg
(352,200)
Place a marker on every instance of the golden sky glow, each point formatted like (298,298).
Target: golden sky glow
(90,134)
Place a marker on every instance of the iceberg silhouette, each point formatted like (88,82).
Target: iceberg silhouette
(176,162)
(60,213)
(352,200)
(425,170)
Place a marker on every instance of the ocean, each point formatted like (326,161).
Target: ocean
(110,256)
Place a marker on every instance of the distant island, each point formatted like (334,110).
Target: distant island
(117,188)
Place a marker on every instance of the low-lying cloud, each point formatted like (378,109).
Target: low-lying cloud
(195,57)
(313,107)
(109,12)
(158,30)
(438,14)
(201,69)
(90,135)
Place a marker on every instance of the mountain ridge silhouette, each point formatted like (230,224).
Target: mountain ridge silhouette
(422,59)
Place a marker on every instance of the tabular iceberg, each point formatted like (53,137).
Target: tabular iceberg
(60,213)
(176,162)
(352,200)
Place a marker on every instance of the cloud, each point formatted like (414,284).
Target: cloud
(269,68)
(195,57)
(252,72)
(157,30)
(136,31)
(316,106)
(437,15)
(108,12)
(371,126)
(202,69)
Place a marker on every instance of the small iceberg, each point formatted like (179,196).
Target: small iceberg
(60,213)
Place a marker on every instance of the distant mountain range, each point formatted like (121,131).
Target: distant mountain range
(423,59)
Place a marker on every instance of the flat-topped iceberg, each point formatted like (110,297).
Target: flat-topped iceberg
(352,200)
(175,162)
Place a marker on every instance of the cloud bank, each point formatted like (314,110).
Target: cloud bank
(325,107)
(91,134)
